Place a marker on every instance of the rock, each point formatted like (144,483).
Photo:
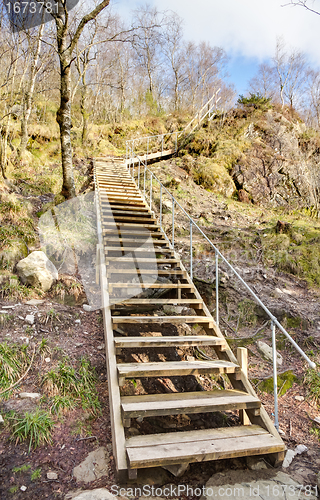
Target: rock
(78,321)
(23,488)
(52,475)
(97,494)
(167,204)
(299,398)
(301,448)
(37,270)
(255,464)
(87,308)
(177,470)
(47,360)
(34,302)
(275,487)
(266,351)
(281,432)
(288,459)
(318,480)
(30,395)
(243,196)
(317,420)
(101,347)
(29,319)
(1,420)
(93,467)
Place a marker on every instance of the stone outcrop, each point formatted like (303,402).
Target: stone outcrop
(37,270)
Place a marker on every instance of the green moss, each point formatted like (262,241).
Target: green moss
(285,382)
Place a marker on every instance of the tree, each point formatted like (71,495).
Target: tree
(302,3)
(67,40)
(264,82)
(34,48)
(290,68)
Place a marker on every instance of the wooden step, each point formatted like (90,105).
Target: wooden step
(124,218)
(128,225)
(139,241)
(155,272)
(144,285)
(140,260)
(168,341)
(187,402)
(157,235)
(201,320)
(193,303)
(174,369)
(122,208)
(140,249)
(197,446)
(126,212)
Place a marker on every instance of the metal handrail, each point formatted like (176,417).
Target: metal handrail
(274,322)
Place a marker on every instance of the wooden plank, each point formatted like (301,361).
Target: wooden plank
(156,235)
(124,218)
(169,341)
(135,240)
(149,440)
(128,225)
(117,428)
(189,403)
(126,212)
(139,249)
(175,368)
(145,285)
(154,272)
(140,260)
(136,302)
(203,450)
(163,319)
(124,207)
(242,357)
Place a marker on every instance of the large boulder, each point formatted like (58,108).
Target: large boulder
(37,270)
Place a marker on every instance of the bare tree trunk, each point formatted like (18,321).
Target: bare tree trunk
(65,125)
(84,112)
(28,96)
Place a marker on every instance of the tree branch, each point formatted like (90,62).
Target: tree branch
(85,20)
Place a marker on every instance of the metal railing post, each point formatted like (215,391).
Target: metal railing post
(161,206)
(147,150)
(150,204)
(176,143)
(173,200)
(126,153)
(275,376)
(162,145)
(139,174)
(191,253)
(144,182)
(217,288)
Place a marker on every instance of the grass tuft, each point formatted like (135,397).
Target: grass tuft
(35,427)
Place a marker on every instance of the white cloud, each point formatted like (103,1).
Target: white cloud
(244,27)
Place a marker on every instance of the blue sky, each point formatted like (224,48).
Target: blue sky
(246,29)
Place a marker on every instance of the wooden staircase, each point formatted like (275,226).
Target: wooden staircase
(135,258)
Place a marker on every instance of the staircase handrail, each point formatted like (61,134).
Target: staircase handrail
(274,321)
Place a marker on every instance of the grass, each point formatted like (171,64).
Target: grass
(36,474)
(14,360)
(23,468)
(35,427)
(14,290)
(312,382)
(69,387)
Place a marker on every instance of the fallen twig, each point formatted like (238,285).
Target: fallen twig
(90,437)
